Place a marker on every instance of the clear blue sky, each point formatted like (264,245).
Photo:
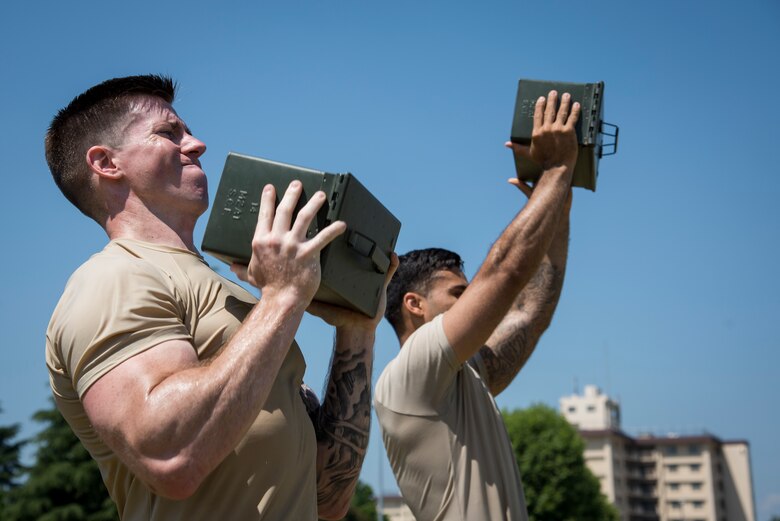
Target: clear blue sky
(672,294)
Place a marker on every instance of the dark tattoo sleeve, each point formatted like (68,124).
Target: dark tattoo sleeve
(512,343)
(342,423)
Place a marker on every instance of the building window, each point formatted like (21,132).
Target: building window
(672,468)
(697,504)
(674,486)
(696,486)
(671,450)
(675,504)
(572,408)
(591,408)
(694,449)
(695,467)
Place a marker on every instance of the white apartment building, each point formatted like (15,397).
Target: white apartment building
(395,509)
(666,478)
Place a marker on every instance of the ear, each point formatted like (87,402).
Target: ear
(413,303)
(101,161)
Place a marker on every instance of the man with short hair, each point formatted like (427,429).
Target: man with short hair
(187,390)
(463,343)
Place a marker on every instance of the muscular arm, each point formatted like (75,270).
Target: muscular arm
(172,419)
(512,343)
(517,254)
(342,422)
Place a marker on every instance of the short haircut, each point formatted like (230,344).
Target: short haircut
(415,273)
(93,118)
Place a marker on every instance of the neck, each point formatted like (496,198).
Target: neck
(152,229)
(409,325)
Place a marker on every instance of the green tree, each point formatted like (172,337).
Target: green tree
(10,464)
(64,482)
(558,485)
(362,507)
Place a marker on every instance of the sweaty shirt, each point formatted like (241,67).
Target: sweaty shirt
(131,297)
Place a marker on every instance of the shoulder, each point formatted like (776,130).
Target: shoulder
(428,341)
(109,285)
(421,375)
(113,261)
(114,306)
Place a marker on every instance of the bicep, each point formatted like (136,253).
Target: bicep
(123,391)
(507,350)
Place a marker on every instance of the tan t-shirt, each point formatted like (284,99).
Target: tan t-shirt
(444,435)
(131,297)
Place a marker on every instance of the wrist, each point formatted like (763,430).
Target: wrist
(357,333)
(286,299)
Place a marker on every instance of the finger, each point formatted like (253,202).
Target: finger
(574,116)
(394,262)
(563,110)
(307,213)
(539,112)
(316,308)
(240,271)
(527,190)
(523,151)
(326,236)
(286,207)
(549,110)
(267,209)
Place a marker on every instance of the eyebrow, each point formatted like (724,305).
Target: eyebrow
(177,123)
(457,290)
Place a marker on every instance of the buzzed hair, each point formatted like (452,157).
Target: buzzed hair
(415,272)
(93,118)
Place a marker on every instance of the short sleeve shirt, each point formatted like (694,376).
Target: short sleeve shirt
(445,437)
(131,297)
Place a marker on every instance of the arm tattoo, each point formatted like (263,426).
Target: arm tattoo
(341,423)
(515,338)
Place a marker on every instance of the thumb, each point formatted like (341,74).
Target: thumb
(520,185)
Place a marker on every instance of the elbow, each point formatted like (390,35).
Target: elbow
(333,511)
(176,480)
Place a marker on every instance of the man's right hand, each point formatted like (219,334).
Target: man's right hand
(283,259)
(554,139)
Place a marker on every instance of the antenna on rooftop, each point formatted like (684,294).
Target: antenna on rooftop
(607,386)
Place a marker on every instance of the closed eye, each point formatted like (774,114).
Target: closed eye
(457,291)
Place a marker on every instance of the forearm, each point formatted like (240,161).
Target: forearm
(514,340)
(343,421)
(511,262)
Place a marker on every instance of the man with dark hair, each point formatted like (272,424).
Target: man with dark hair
(463,343)
(187,390)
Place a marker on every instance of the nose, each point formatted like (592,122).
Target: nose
(192,146)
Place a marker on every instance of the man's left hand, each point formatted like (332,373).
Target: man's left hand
(346,318)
